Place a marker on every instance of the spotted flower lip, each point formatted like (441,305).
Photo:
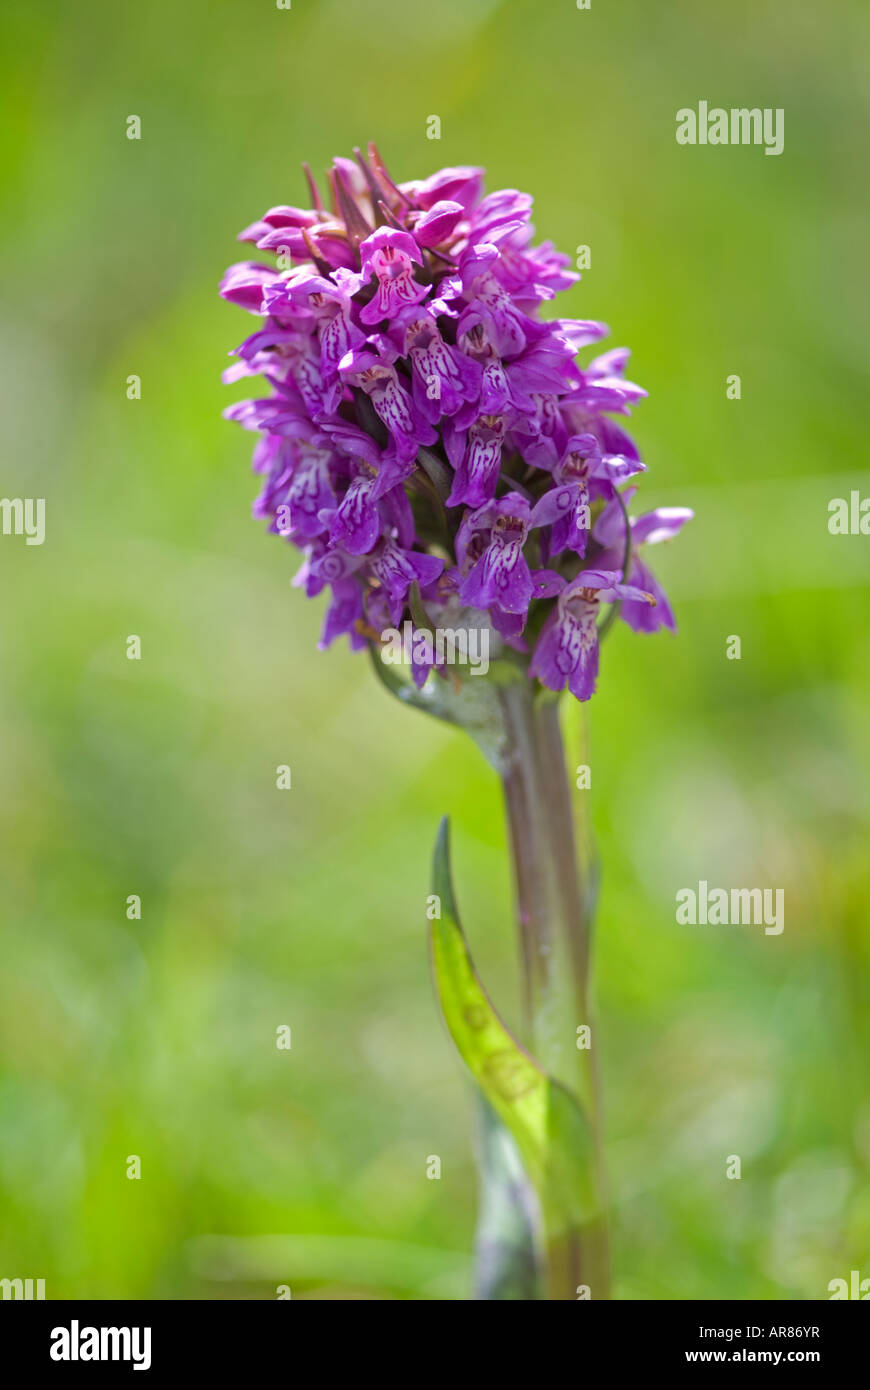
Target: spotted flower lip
(429,439)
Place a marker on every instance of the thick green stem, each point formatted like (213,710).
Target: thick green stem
(517,729)
(555,934)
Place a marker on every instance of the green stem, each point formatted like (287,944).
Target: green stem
(518,732)
(555,940)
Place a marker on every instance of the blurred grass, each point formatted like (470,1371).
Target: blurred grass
(263,908)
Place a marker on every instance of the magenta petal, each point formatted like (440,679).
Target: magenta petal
(437,224)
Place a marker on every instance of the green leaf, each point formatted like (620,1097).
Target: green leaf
(438,473)
(507,1238)
(545,1120)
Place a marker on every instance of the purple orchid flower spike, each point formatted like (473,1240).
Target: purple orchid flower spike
(426,426)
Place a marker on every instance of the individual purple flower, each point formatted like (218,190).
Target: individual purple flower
(267,353)
(500,388)
(500,577)
(528,274)
(281,228)
(355,523)
(302,358)
(329,305)
(366,510)
(462,186)
(392,401)
(567,649)
(476,457)
(396,569)
(442,377)
(512,327)
(493,572)
(282,414)
(499,214)
(581,472)
(390,255)
(602,388)
(298,489)
(244,284)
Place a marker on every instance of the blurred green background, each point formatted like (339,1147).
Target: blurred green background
(305,907)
